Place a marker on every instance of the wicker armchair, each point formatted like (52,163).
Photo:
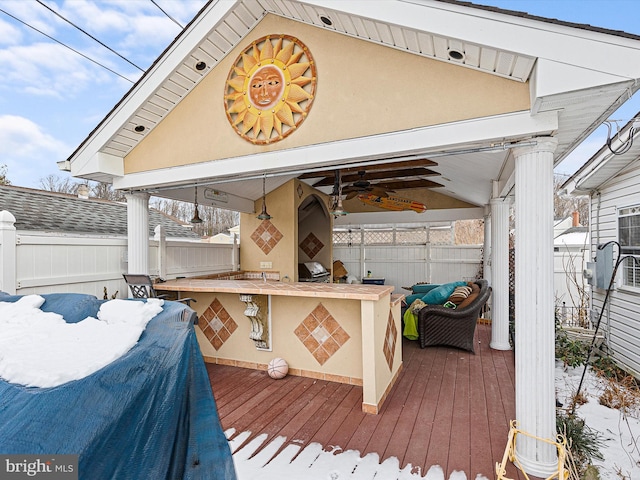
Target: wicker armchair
(438,325)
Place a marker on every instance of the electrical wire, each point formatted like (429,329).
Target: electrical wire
(66,46)
(626,145)
(168,16)
(89,35)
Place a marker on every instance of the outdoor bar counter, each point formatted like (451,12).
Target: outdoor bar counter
(339,332)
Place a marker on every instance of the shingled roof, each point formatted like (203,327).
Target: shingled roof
(38,210)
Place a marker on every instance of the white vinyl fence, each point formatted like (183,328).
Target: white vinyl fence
(39,263)
(401,261)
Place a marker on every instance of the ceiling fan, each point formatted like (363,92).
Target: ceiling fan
(363,186)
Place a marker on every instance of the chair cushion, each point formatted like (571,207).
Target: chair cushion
(475,291)
(441,294)
(459,294)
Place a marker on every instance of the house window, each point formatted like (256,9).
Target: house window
(629,239)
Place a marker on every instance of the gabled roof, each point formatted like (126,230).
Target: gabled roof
(38,210)
(577,75)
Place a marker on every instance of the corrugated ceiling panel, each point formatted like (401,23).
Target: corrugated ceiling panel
(212,50)
(161,102)
(156,110)
(522,68)
(370,28)
(306,12)
(337,23)
(229,33)
(488,59)
(440,46)
(114,151)
(168,95)
(237,24)
(426,44)
(220,42)
(148,118)
(347,24)
(504,65)
(384,33)
(131,135)
(397,35)
(189,72)
(173,87)
(245,12)
(120,141)
(181,80)
(361,31)
(254,8)
(411,39)
(281,7)
(472,55)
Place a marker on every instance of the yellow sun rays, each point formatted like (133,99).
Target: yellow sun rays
(270,89)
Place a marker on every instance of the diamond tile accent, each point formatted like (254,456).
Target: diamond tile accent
(390,339)
(216,324)
(321,334)
(311,245)
(266,236)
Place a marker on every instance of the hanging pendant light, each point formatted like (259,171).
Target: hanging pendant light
(196,217)
(336,198)
(263,214)
(338,210)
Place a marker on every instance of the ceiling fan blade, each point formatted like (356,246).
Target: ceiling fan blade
(379,192)
(351,194)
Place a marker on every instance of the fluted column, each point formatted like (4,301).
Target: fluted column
(138,232)
(534,320)
(486,257)
(500,273)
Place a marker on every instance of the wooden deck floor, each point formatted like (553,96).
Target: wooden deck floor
(449,408)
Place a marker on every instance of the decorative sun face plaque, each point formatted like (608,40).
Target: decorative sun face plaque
(270,89)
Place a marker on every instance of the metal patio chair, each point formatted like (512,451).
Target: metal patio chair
(141,286)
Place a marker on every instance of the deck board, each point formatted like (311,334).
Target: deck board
(448,407)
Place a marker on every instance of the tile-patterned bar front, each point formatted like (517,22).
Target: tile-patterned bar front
(339,332)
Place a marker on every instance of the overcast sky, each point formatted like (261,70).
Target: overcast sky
(52,97)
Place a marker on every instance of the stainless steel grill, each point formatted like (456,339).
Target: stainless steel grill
(312,272)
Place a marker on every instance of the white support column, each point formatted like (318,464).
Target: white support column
(138,232)
(8,254)
(160,236)
(534,320)
(487,247)
(500,273)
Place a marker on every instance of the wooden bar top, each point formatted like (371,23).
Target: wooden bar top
(285,289)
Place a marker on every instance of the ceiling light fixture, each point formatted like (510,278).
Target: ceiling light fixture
(201,66)
(263,214)
(336,198)
(326,20)
(456,55)
(196,216)
(139,128)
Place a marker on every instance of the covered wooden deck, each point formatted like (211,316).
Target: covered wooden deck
(449,408)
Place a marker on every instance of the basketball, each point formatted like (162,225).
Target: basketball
(277,368)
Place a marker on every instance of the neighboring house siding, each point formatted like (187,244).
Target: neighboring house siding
(621,317)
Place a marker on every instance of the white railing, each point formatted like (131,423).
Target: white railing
(45,262)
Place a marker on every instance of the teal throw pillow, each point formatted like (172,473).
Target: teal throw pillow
(441,294)
(424,287)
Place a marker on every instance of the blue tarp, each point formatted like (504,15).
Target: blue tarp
(148,415)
